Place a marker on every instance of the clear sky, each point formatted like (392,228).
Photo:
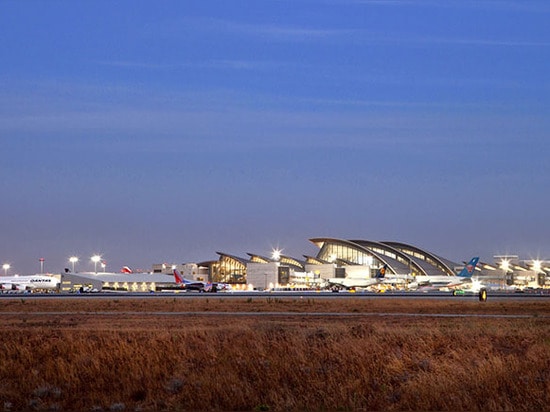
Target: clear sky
(164,131)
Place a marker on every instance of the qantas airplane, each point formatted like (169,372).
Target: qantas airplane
(22,283)
(198,285)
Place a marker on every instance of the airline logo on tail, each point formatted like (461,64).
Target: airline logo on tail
(179,278)
(470,268)
(382,272)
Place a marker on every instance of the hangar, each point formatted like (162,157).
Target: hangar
(127,282)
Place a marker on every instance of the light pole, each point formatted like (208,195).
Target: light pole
(505,266)
(537,267)
(73,260)
(96,259)
(6,267)
(103,265)
(41,264)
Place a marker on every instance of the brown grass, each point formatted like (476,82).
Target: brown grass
(121,355)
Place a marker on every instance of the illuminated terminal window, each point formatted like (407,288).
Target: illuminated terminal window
(331,252)
(228,270)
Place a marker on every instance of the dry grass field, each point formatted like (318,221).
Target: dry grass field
(223,354)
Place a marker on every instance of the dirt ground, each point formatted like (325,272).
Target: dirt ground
(174,313)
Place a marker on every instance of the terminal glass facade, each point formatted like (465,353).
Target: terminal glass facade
(331,252)
(228,270)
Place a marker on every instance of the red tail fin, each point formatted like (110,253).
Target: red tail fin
(178,277)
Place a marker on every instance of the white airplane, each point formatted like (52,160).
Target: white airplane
(362,281)
(22,283)
(462,280)
(199,285)
(460,284)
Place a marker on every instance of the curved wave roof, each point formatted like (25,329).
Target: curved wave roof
(432,263)
(286,260)
(399,257)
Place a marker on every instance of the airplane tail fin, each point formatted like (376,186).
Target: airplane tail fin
(469,269)
(382,272)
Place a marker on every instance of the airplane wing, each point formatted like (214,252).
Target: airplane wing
(456,283)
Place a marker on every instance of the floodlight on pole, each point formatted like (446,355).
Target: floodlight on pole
(6,267)
(96,259)
(73,260)
(505,265)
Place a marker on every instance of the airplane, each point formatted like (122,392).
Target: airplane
(30,282)
(198,285)
(441,282)
(188,284)
(459,284)
(354,281)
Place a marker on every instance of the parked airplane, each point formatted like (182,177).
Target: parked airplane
(22,283)
(462,283)
(449,282)
(188,284)
(362,281)
(199,285)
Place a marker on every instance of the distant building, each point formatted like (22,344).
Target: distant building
(191,271)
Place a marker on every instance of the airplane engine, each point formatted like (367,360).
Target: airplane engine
(10,286)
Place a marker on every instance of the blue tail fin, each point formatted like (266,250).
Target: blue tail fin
(382,272)
(469,269)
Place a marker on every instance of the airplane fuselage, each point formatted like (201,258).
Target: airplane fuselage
(28,282)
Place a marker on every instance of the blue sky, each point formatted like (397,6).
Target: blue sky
(165,131)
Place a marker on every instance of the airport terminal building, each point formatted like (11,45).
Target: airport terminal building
(337,258)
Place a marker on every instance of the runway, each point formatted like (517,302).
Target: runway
(278,294)
(278,314)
